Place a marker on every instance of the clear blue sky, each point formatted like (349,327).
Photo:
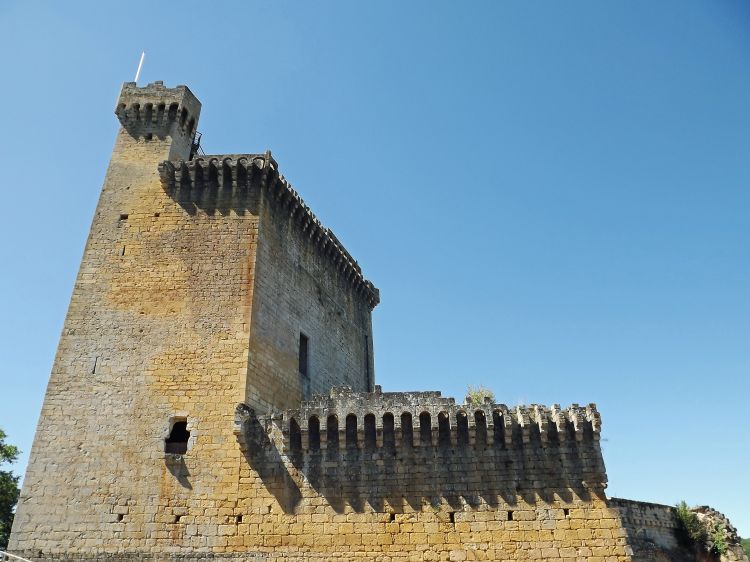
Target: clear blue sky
(552,197)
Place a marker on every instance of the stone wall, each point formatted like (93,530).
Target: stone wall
(297,292)
(652,533)
(157,333)
(197,278)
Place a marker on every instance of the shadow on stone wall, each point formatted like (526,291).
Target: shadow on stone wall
(394,478)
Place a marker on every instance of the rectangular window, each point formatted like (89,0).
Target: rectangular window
(303,356)
(368,376)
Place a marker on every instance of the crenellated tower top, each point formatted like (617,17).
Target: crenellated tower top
(157,110)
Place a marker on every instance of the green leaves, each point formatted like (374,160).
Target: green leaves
(8,490)
(8,453)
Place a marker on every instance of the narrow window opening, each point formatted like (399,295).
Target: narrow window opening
(566,512)
(393,517)
(452,516)
(444,430)
(157,215)
(96,363)
(295,436)
(389,431)
(238,519)
(120,517)
(498,429)
(351,431)
(124,217)
(510,516)
(332,433)
(123,251)
(368,376)
(407,430)
(462,429)
(183,117)
(425,428)
(303,355)
(304,365)
(177,441)
(370,431)
(177,518)
(314,433)
(480,422)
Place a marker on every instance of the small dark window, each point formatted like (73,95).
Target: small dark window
(313,426)
(444,430)
(370,437)
(389,431)
(351,431)
(480,422)
(177,441)
(332,432)
(407,430)
(123,217)
(238,519)
(303,356)
(498,429)
(462,429)
(295,436)
(393,517)
(452,516)
(566,512)
(510,516)
(368,375)
(149,136)
(425,428)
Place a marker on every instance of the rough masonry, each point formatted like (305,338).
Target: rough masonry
(213,396)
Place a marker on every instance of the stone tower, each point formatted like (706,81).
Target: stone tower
(213,397)
(205,282)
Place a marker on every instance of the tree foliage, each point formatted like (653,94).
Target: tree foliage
(8,490)
(477,394)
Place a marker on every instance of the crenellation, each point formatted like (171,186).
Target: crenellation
(154,109)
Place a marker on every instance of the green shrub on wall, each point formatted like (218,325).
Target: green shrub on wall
(690,529)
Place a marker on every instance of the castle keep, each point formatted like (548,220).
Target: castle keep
(213,396)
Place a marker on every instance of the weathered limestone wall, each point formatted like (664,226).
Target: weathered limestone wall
(297,291)
(158,331)
(148,331)
(652,533)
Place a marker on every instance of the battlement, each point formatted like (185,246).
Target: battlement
(156,109)
(370,420)
(230,177)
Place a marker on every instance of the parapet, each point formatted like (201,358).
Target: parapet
(229,177)
(154,109)
(373,420)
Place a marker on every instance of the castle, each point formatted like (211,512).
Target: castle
(213,396)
